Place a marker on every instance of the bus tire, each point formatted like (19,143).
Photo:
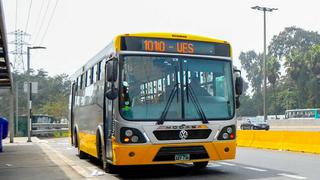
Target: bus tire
(110,168)
(200,165)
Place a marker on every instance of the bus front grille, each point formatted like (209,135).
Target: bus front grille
(168,153)
(174,134)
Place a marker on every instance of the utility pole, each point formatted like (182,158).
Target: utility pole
(29,104)
(17,108)
(264,9)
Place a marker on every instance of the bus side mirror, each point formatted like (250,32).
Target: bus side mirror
(111,68)
(112,93)
(239,85)
(237,102)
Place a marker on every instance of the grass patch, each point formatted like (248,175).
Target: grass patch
(58,134)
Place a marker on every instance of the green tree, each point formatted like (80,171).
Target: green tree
(251,62)
(52,97)
(292,38)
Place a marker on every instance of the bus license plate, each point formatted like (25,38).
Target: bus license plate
(182,157)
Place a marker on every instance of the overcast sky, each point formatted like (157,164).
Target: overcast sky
(80,28)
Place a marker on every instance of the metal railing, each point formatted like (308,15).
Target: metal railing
(48,128)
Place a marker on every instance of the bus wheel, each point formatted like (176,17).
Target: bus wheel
(109,168)
(200,165)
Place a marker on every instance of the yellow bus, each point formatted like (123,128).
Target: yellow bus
(156,98)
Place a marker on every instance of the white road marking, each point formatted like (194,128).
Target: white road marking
(227,164)
(63,143)
(292,176)
(97,173)
(213,165)
(184,165)
(255,169)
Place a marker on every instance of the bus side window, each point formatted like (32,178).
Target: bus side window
(81,81)
(94,74)
(87,78)
(77,85)
(103,64)
(90,76)
(99,71)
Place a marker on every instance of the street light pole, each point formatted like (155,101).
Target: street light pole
(29,104)
(264,9)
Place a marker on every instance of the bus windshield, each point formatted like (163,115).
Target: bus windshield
(147,83)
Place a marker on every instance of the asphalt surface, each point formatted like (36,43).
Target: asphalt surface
(249,164)
(56,159)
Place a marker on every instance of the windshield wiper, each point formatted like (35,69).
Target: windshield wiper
(171,96)
(195,101)
(169,101)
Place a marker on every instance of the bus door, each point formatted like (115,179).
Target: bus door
(108,119)
(73,95)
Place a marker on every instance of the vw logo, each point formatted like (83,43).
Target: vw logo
(183,134)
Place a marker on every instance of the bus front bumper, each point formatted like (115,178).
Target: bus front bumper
(166,153)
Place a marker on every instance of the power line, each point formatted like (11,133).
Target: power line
(15,28)
(29,12)
(48,25)
(42,22)
(39,16)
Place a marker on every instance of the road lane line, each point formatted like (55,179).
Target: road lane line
(255,169)
(292,176)
(213,165)
(227,164)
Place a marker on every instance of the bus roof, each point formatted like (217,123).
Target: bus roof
(114,46)
(180,36)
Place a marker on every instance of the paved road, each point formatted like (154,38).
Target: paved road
(250,164)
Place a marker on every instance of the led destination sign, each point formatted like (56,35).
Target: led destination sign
(174,46)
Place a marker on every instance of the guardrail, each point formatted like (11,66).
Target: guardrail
(49,125)
(280,140)
(48,131)
(48,128)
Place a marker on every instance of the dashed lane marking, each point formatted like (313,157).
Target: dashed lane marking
(227,164)
(292,176)
(254,169)
(213,165)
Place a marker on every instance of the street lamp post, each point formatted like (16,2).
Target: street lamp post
(29,104)
(264,9)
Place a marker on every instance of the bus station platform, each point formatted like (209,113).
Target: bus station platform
(34,161)
(48,158)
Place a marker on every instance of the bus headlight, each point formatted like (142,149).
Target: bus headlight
(134,139)
(228,133)
(225,135)
(131,135)
(229,130)
(128,132)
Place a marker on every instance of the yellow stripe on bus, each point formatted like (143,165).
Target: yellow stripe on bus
(87,143)
(144,154)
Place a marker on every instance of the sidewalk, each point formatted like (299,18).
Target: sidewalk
(22,160)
